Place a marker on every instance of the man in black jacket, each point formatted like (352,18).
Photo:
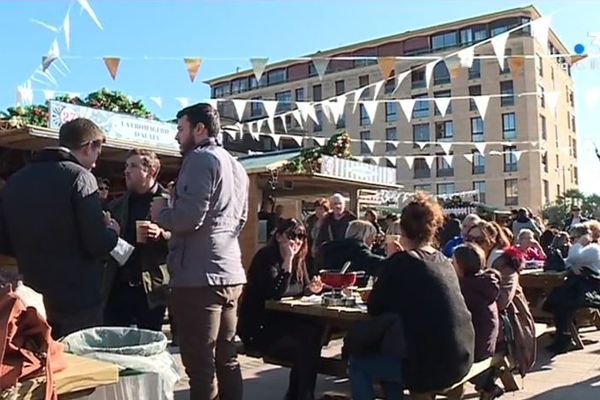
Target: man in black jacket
(138,290)
(52,222)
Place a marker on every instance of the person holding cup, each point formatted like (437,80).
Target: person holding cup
(137,291)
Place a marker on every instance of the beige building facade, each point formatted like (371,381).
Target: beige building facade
(533,147)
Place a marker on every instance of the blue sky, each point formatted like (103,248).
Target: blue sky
(237,30)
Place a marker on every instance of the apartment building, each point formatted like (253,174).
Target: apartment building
(546,140)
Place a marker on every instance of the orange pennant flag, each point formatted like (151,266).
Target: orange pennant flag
(386,64)
(516,65)
(112,63)
(454,72)
(193,66)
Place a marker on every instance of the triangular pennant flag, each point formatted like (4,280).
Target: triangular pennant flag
(378,87)
(371,109)
(193,66)
(445,146)
(275,139)
(453,65)
(399,79)
(429,71)
(271,124)
(407,106)
(270,107)
(448,158)
(499,45)
(518,154)
(516,65)
(320,66)
(25,94)
(337,107)
(392,160)
(466,57)
(67,29)
(482,103)
(357,94)
(157,100)
(298,117)
(552,100)
(90,11)
(539,30)
(469,157)
(386,64)
(480,146)
(421,144)
(442,104)
(370,144)
(240,106)
(183,101)
(307,110)
(330,113)
(53,55)
(49,94)
(320,141)
(283,122)
(410,160)
(429,160)
(112,64)
(258,66)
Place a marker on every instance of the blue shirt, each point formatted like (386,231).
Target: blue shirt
(449,247)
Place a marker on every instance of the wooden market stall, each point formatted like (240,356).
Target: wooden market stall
(269,176)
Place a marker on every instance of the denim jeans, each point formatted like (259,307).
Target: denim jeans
(365,371)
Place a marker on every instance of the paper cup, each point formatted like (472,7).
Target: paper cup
(141,231)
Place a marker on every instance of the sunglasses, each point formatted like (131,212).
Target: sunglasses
(296,235)
(103,188)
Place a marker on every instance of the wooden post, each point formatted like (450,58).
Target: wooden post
(249,236)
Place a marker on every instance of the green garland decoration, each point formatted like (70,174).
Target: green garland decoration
(309,160)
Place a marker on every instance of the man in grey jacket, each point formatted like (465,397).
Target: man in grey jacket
(209,210)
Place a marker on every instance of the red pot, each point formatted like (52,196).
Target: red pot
(338,280)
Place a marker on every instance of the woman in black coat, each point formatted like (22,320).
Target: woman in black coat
(279,270)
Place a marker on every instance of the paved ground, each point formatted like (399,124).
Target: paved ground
(572,376)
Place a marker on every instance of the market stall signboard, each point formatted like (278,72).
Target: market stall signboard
(357,171)
(119,128)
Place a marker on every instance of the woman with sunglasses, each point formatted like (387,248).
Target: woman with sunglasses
(279,270)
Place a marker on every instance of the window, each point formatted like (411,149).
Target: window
(300,94)
(506,67)
(362,82)
(445,188)
(558,191)
(478,166)
(284,101)
(466,36)
(423,188)
(576,175)
(474,91)
(442,166)
(340,87)
(318,127)
(509,126)
(557,161)
(221,90)
(568,120)
(418,78)
(480,33)
(391,135)
(276,76)
(364,62)
(421,109)
(317,94)
(477,129)
(421,133)
(365,135)
(543,127)
(475,70)
(539,65)
(390,85)
(573,122)
(444,130)
(498,29)
(364,116)
(545,161)
(479,186)
(510,159)
(256,107)
(441,75)
(511,192)
(239,85)
(571,98)
(254,82)
(444,40)
(506,89)
(444,93)
(546,192)
(574,148)
(421,169)
(541,95)
(391,111)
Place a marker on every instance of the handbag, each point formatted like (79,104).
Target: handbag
(27,349)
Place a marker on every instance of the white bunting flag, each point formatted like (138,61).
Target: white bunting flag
(399,79)
(44,24)
(518,154)
(410,160)
(338,106)
(591,97)
(90,11)
(254,130)
(495,153)
(480,146)
(539,30)
(429,160)
(330,114)
(270,107)
(183,101)
(469,157)
(258,66)
(371,108)
(552,100)
(53,55)
(357,94)
(298,117)
(499,45)
(445,146)
(421,144)
(307,110)
(275,139)
(283,122)
(25,94)
(407,106)
(271,124)
(157,100)
(370,144)
(49,94)
(320,141)
(378,87)
(442,104)
(392,160)
(429,71)
(240,106)
(67,29)
(482,103)
(448,158)
(320,66)
(240,129)
(466,57)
